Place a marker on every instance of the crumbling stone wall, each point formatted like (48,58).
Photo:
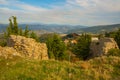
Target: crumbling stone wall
(8,52)
(28,47)
(102,46)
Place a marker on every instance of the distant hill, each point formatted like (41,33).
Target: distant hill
(2,27)
(46,27)
(96,29)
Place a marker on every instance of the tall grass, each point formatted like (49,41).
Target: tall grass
(101,68)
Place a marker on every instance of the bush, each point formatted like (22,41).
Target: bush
(114,52)
(34,36)
(3,43)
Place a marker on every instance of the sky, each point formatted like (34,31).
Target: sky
(72,12)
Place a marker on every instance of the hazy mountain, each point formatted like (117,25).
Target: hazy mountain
(3,27)
(46,27)
(96,29)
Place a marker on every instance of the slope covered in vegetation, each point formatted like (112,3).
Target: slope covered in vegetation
(101,68)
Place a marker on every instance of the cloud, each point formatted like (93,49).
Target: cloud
(84,12)
(95,12)
(107,5)
(30,8)
(3,2)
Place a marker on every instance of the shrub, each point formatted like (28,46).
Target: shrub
(3,43)
(114,52)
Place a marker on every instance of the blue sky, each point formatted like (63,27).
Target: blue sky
(74,12)
(44,3)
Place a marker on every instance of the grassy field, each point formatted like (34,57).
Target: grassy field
(101,68)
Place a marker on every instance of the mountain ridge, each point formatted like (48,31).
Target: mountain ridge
(47,27)
(97,29)
(57,28)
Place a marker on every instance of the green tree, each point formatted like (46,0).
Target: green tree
(49,43)
(26,32)
(117,37)
(56,47)
(20,32)
(12,27)
(16,30)
(34,36)
(9,32)
(81,49)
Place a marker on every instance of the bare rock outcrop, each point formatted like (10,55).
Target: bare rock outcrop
(28,47)
(8,53)
(102,46)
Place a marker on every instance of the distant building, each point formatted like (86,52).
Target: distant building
(72,36)
(94,39)
(74,41)
(66,41)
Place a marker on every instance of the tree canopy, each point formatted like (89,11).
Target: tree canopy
(56,47)
(81,49)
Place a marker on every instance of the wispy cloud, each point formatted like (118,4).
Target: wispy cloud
(4,2)
(85,12)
